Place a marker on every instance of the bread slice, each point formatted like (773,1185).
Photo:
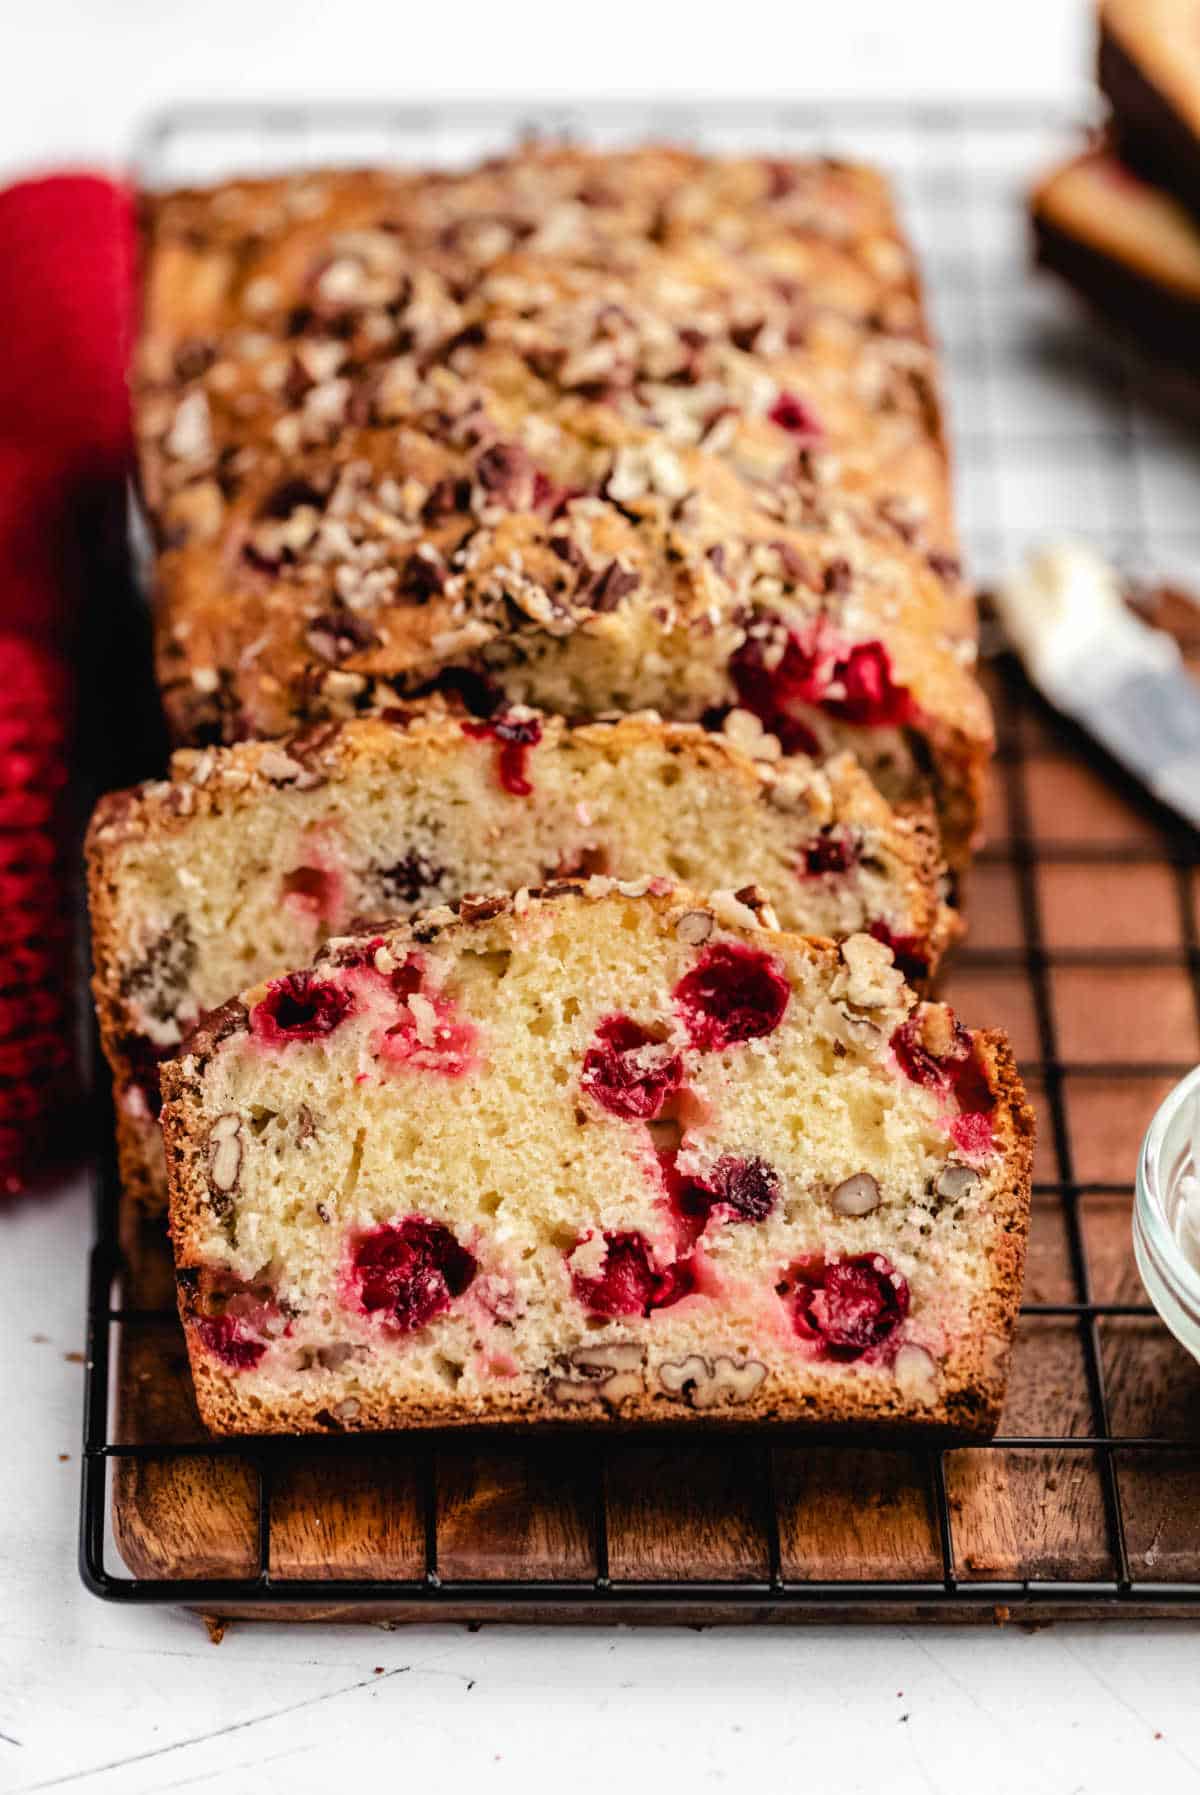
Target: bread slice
(617,430)
(605,1150)
(1149,71)
(243,862)
(671,583)
(1130,250)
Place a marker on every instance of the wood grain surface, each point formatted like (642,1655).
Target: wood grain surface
(1079,881)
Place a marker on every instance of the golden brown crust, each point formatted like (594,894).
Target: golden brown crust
(138,1143)
(504,271)
(972,1377)
(984,1360)
(969,1410)
(832,218)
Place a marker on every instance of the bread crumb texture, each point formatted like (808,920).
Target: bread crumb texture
(573,1155)
(244,862)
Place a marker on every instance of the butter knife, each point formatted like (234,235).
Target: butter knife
(1120,679)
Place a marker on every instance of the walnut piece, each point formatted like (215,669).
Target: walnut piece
(858,1195)
(610,1372)
(225,1153)
(278,766)
(744,730)
(744,909)
(956,1181)
(872,982)
(709,1383)
(694,926)
(190,437)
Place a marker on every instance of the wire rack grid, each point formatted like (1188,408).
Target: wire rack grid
(1051,439)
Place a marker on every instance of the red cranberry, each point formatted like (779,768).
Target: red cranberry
(687,1200)
(746,1189)
(916,1060)
(799,419)
(628,1071)
(872,698)
(516,737)
(908,951)
(795,737)
(811,665)
(971,1088)
(848,1305)
(300,1007)
(409,1271)
(224,1337)
(798,677)
(629,1283)
(831,853)
(734,994)
(972,1134)
(406,978)
(451,1051)
(956,1071)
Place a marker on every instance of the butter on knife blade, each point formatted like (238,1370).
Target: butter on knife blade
(1121,680)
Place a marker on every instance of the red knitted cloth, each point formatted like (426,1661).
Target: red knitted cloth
(66,285)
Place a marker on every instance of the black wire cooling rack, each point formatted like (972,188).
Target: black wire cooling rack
(1093,1486)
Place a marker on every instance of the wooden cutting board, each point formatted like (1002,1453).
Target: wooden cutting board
(1084,930)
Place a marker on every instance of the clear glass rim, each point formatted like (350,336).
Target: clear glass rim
(1150,1217)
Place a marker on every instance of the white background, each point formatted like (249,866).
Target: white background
(98,1698)
(79,73)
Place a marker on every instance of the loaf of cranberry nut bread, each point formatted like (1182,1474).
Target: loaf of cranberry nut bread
(251,856)
(599,1151)
(616,432)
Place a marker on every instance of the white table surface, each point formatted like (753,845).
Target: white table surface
(99,1698)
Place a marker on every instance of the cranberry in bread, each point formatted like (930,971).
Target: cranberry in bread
(603,1151)
(249,857)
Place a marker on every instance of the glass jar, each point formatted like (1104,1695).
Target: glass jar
(1168,1180)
